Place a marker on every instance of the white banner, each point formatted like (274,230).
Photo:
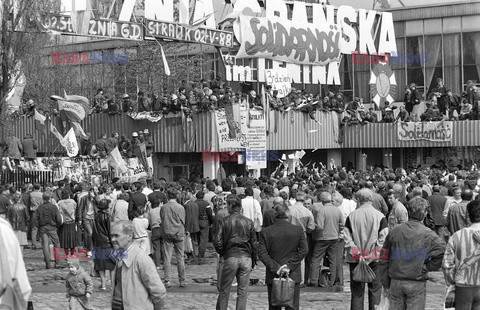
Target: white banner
(69,142)
(224,140)
(431,131)
(135,170)
(280,81)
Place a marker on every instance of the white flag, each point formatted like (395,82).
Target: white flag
(69,142)
(165,63)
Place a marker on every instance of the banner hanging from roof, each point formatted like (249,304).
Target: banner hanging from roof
(289,41)
(430,131)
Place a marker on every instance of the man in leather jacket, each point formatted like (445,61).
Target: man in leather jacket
(235,242)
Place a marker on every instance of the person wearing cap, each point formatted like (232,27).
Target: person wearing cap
(135,142)
(79,286)
(127,105)
(148,142)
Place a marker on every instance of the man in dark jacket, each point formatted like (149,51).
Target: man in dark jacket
(235,242)
(412,98)
(437,205)
(137,200)
(101,146)
(29,148)
(125,146)
(148,142)
(409,252)
(205,219)
(282,248)
(47,219)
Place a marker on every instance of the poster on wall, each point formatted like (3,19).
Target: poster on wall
(224,139)
(256,153)
(430,131)
(280,81)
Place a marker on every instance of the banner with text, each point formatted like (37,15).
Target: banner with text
(224,140)
(289,41)
(431,131)
(280,81)
(256,153)
(135,170)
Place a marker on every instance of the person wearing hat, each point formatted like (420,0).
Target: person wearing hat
(148,142)
(135,141)
(127,105)
(79,286)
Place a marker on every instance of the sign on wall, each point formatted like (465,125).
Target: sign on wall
(256,152)
(430,131)
(280,81)
(224,139)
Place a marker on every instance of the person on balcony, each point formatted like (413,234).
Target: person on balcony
(127,105)
(466,110)
(101,146)
(148,142)
(402,115)
(412,97)
(143,103)
(98,101)
(453,102)
(372,117)
(112,107)
(125,146)
(441,92)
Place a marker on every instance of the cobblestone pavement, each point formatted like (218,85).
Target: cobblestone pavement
(49,289)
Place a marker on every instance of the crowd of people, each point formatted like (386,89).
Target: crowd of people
(195,97)
(305,225)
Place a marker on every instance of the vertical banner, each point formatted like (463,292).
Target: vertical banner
(256,153)
(223,131)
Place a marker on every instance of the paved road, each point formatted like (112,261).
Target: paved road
(49,289)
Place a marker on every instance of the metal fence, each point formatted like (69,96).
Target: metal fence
(20,177)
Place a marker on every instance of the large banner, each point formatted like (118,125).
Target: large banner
(430,131)
(149,116)
(224,139)
(256,153)
(290,41)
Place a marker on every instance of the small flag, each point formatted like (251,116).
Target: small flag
(40,122)
(116,161)
(55,132)
(140,152)
(69,142)
(165,63)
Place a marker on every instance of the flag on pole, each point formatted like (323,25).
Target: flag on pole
(116,161)
(69,142)
(140,152)
(165,63)
(83,101)
(40,122)
(55,132)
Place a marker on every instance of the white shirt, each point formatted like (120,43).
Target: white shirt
(146,191)
(251,209)
(347,207)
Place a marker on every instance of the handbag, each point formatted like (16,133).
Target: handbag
(384,302)
(283,291)
(363,273)
(188,245)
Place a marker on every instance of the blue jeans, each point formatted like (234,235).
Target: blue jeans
(239,267)
(408,294)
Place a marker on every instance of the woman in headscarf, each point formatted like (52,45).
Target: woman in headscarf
(102,242)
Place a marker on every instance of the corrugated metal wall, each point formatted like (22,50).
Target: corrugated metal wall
(381,135)
(295,130)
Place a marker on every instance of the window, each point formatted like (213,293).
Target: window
(471,57)
(414,68)
(431,52)
(452,60)
(346,74)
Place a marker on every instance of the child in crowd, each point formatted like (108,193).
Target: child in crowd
(140,233)
(79,286)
